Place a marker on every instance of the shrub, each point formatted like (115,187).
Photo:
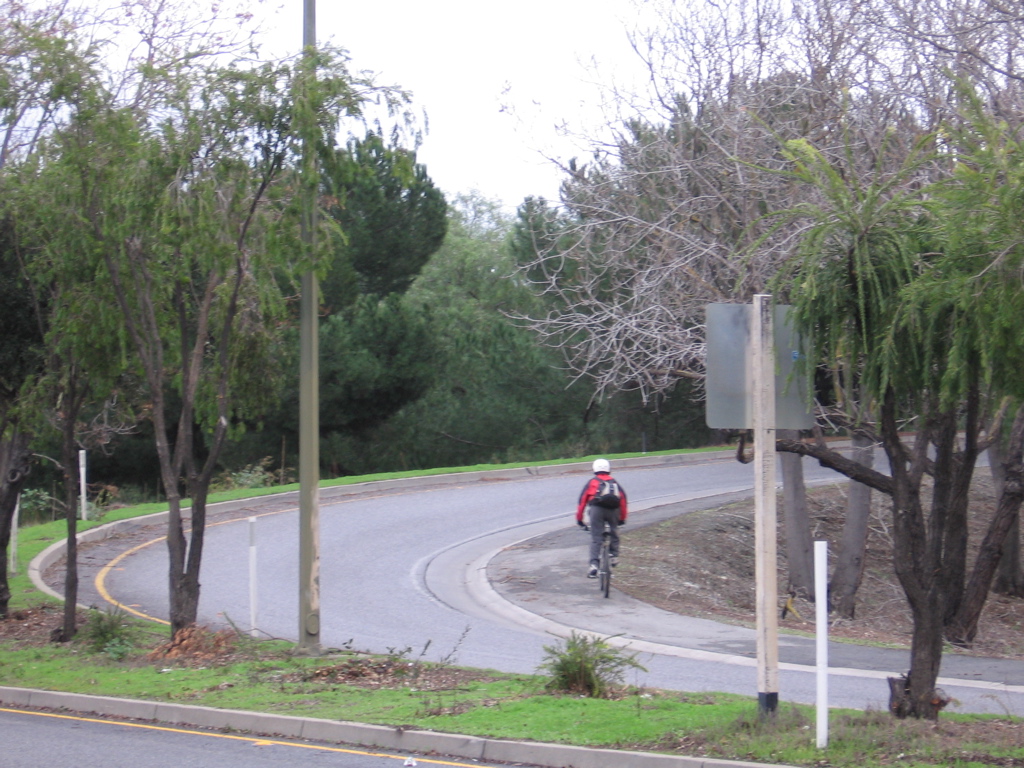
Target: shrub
(37,506)
(586,665)
(112,633)
(258,475)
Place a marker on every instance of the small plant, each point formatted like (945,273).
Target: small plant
(37,506)
(112,633)
(449,658)
(257,475)
(586,665)
(105,495)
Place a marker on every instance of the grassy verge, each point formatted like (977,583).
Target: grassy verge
(236,672)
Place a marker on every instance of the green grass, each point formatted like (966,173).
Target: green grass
(271,677)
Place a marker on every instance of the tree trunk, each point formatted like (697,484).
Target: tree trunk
(67,630)
(1009,576)
(921,542)
(183,594)
(954,471)
(72,398)
(849,569)
(797,524)
(182,591)
(15,463)
(962,628)
(915,694)
(917,556)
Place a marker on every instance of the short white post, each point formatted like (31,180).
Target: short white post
(252,576)
(81,482)
(821,621)
(12,560)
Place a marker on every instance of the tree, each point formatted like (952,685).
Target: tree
(497,396)
(656,218)
(186,216)
(910,282)
(44,66)
(45,71)
(20,349)
(392,216)
(656,231)
(377,359)
(377,354)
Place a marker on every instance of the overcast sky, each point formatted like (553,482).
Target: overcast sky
(494,78)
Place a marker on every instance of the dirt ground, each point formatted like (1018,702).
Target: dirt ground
(702,564)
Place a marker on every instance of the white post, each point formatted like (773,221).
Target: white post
(821,620)
(81,484)
(12,561)
(765,516)
(252,576)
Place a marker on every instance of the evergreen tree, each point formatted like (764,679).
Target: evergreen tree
(390,215)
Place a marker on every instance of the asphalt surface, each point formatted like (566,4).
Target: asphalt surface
(536,582)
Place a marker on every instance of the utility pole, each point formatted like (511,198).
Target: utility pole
(309,385)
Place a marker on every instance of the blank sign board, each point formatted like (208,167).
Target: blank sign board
(728,383)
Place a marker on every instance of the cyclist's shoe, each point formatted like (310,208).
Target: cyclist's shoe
(614,560)
(592,573)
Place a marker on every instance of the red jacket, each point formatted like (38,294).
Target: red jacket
(590,490)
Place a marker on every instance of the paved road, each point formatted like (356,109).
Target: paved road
(487,572)
(92,742)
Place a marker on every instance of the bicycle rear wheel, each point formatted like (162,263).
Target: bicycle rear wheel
(604,569)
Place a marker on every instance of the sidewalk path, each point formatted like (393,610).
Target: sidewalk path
(544,577)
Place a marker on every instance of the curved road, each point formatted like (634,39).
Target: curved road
(407,569)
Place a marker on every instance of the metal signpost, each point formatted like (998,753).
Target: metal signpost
(749,387)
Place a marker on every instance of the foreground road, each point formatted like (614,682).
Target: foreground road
(408,570)
(91,742)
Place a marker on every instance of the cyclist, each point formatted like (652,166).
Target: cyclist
(600,515)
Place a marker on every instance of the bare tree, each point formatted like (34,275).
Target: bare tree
(669,215)
(664,218)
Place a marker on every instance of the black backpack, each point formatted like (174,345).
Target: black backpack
(608,494)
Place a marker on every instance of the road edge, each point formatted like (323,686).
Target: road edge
(358,734)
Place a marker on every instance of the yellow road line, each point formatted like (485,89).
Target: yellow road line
(256,741)
(101,576)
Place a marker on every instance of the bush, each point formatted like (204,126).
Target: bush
(258,475)
(111,633)
(37,506)
(586,665)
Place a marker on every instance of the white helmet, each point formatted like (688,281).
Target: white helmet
(602,465)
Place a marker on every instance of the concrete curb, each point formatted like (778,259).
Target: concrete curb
(358,734)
